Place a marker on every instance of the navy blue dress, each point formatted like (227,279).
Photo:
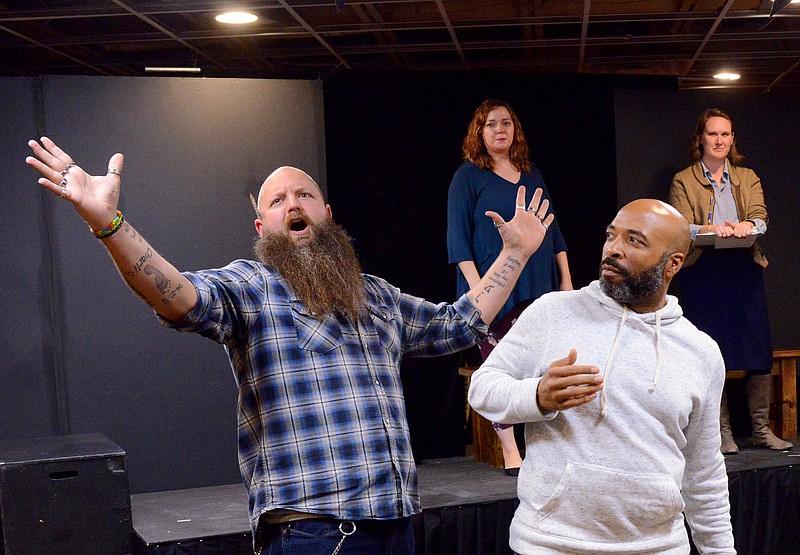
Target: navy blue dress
(471,234)
(724,295)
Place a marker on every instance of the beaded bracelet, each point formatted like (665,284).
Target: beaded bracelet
(111,228)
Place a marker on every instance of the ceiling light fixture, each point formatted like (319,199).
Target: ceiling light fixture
(174,69)
(236,18)
(727,76)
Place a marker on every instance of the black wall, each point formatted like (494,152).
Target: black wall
(653,136)
(393,144)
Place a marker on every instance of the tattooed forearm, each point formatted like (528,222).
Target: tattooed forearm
(171,295)
(154,280)
(148,254)
(128,229)
(474,300)
(500,277)
(162,283)
(149,303)
(512,263)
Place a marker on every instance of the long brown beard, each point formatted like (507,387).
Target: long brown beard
(323,272)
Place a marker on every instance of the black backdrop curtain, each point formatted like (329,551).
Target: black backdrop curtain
(393,143)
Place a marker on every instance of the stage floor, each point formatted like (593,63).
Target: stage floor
(182,515)
(178,517)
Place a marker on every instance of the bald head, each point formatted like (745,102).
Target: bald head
(645,247)
(666,223)
(288,173)
(289,202)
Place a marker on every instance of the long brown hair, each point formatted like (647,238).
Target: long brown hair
(474,149)
(696,153)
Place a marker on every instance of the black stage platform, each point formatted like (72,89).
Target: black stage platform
(467,508)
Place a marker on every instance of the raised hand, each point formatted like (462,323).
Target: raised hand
(526,230)
(95,197)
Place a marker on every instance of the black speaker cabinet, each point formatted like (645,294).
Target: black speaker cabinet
(66,494)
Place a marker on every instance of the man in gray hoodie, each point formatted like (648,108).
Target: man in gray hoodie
(620,395)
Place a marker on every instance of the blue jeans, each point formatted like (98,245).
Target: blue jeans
(321,536)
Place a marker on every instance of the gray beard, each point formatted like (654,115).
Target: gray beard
(324,272)
(634,289)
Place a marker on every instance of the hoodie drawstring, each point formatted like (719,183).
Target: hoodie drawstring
(609,362)
(607,370)
(658,353)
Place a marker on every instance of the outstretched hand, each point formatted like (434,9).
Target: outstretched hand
(526,230)
(95,197)
(566,385)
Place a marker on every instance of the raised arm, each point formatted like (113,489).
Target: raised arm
(522,235)
(95,198)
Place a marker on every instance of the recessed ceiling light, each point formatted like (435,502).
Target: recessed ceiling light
(726,76)
(236,18)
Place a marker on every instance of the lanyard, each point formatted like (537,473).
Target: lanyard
(710,209)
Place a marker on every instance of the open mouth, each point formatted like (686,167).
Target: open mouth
(298,225)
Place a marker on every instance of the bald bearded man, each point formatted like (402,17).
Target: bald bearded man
(620,396)
(315,346)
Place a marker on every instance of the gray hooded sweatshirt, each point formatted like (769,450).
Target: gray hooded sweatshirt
(617,474)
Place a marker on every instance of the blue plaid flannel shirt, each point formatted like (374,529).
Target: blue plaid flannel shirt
(321,416)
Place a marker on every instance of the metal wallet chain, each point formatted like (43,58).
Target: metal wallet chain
(344,534)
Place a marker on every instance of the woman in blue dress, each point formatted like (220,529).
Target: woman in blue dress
(496,163)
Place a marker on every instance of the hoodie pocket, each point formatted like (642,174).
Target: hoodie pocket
(595,503)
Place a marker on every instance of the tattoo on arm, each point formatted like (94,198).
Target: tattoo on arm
(171,294)
(500,278)
(162,283)
(137,267)
(474,300)
(127,228)
(512,263)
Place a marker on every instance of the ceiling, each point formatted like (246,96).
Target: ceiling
(314,39)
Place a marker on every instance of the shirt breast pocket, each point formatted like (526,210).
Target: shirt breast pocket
(384,327)
(320,336)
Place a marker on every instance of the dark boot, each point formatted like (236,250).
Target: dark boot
(728,446)
(758,395)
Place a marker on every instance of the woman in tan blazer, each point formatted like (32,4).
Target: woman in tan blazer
(722,290)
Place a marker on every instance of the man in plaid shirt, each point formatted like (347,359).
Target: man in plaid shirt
(315,346)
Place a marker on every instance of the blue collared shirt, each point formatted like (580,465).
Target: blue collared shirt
(724,207)
(322,421)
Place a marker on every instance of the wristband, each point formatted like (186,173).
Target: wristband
(111,228)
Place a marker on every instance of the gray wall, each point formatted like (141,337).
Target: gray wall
(84,354)
(653,135)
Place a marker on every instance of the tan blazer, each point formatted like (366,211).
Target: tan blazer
(691,194)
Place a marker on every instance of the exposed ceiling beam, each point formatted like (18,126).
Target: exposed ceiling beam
(707,38)
(170,34)
(314,34)
(53,50)
(369,15)
(780,77)
(452,32)
(584,33)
